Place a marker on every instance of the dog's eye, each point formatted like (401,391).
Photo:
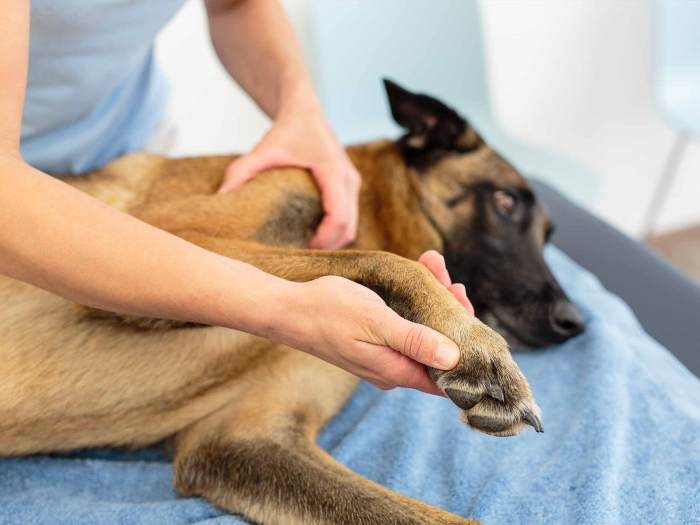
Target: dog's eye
(505,202)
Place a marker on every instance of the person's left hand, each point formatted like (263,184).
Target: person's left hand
(302,137)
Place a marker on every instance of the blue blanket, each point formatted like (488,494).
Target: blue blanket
(621,444)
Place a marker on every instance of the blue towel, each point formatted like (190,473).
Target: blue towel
(621,444)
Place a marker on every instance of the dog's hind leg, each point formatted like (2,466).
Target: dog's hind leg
(258,457)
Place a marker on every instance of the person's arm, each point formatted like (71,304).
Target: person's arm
(57,238)
(257,46)
(65,241)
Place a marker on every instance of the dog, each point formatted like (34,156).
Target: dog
(242,413)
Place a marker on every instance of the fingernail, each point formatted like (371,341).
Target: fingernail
(446,356)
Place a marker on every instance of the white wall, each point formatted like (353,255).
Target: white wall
(574,76)
(211,113)
(577,76)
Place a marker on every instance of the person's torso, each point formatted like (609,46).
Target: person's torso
(93,90)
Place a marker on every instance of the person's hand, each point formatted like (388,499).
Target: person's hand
(435,262)
(350,326)
(301,137)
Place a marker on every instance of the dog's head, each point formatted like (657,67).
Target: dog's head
(492,225)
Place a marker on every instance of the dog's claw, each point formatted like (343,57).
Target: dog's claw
(531,419)
(495,392)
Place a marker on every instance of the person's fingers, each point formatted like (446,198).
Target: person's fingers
(416,341)
(353,183)
(339,224)
(248,166)
(239,172)
(340,202)
(330,231)
(460,292)
(435,262)
(406,373)
(417,377)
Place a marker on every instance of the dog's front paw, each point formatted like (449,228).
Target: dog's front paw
(488,386)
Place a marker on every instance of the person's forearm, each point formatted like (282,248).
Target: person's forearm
(57,238)
(257,46)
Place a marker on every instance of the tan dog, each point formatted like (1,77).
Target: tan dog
(244,414)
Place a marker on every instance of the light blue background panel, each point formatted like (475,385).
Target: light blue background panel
(434,47)
(94,91)
(678,63)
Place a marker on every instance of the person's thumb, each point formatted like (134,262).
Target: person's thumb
(241,171)
(420,343)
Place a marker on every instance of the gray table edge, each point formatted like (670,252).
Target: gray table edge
(665,300)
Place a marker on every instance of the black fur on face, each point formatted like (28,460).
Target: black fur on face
(496,232)
(498,253)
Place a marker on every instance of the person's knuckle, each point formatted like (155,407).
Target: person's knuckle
(330,179)
(416,344)
(331,283)
(275,153)
(336,280)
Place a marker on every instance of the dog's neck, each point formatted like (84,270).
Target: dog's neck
(391,196)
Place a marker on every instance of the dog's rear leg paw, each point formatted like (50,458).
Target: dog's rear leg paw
(488,386)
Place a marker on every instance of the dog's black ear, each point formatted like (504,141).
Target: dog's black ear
(429,123)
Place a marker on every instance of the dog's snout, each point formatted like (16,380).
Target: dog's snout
(565,319)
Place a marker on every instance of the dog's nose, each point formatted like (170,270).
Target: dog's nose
(565,319)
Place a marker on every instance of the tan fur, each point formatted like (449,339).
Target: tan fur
(77,378)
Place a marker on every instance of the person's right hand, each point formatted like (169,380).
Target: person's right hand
(350,326)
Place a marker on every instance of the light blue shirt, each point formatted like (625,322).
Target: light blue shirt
(94,90)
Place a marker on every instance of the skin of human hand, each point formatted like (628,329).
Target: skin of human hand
(350,326)
(269,66)
(301,137)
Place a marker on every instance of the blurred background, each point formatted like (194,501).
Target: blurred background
(599,99)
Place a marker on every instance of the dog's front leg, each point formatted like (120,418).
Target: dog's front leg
(487,384)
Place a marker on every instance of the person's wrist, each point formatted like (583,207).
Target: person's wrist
(281,312)
(303,318)
(239,296)
(296,97)
(293,321)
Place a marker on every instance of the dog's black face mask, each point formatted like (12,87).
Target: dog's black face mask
(492,226)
